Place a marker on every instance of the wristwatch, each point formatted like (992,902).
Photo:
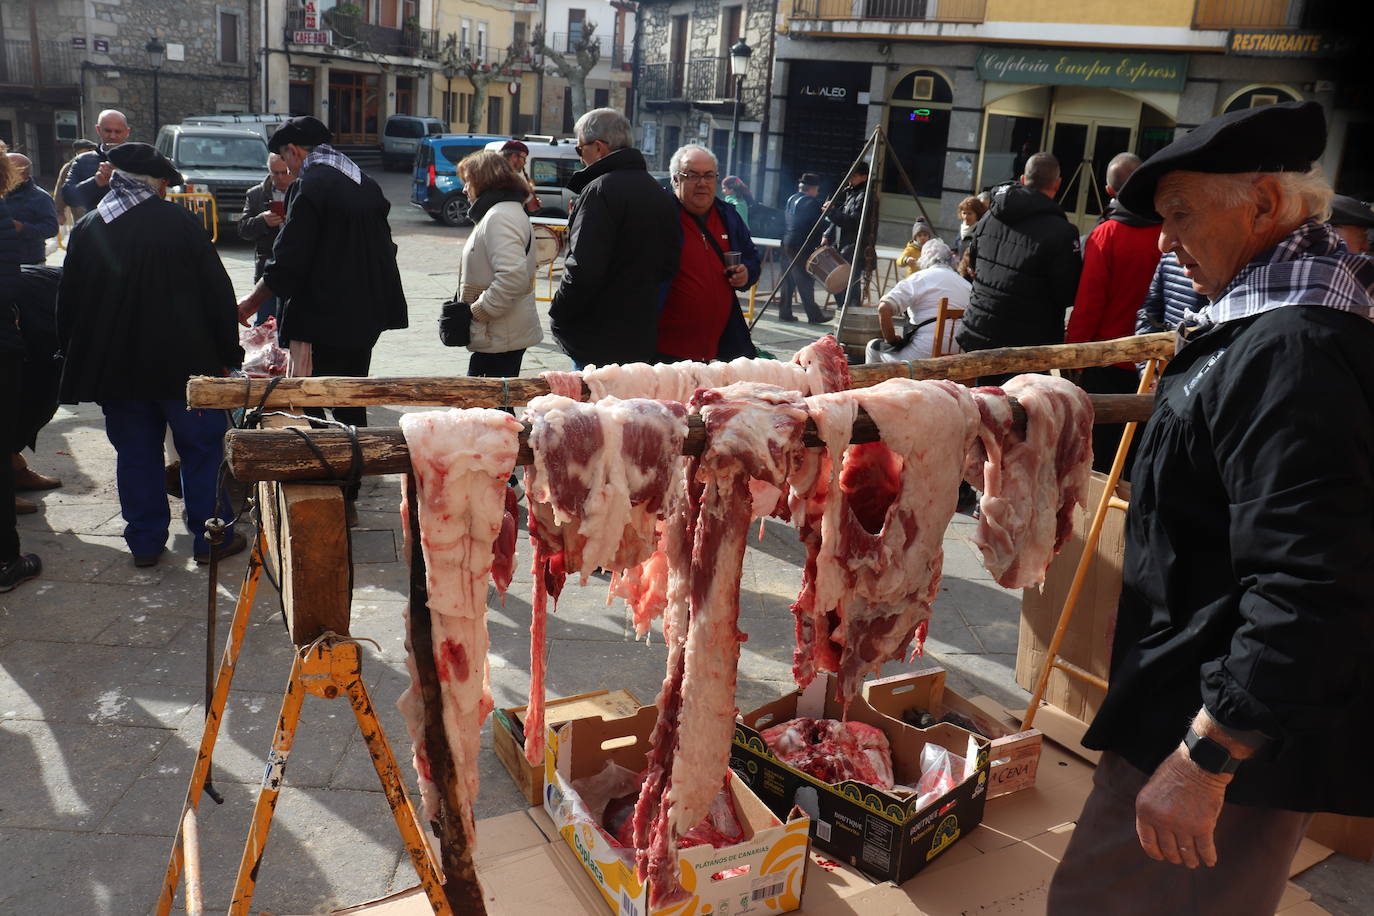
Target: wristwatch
(1209,755)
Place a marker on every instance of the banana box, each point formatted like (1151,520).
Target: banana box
(763,874)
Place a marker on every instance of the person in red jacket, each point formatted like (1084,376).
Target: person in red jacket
(1119,259)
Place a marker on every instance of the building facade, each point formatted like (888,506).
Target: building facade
(965,90)
(612,23)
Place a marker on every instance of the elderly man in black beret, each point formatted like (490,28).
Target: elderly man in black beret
(143,305)
(1352,221)
(1240,687)
(333,265)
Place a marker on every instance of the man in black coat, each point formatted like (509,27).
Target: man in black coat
(623,245)
(333,266)
(1026,261)
(143,305)
(88,179)
(800,214)
(264,210)
(1240,691)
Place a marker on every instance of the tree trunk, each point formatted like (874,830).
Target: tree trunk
(578,84)
(479,101)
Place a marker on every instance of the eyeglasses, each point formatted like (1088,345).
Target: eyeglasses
(581,146)
(690,177)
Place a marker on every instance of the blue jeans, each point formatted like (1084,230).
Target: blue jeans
(136,429)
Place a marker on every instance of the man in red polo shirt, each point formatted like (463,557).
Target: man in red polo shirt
(701,318)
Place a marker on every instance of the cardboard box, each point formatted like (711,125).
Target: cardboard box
(773,853)
(1015,754)
(881,833)
(508,731)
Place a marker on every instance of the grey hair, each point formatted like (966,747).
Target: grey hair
(149,180)
(1122,166)
(1041,171)
(604,124)
(935,253)
(1306,195)
(679,161)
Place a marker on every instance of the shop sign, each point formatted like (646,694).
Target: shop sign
(311,16)
(307,37)
(102,46)
(1276,43)
(824,93)
(1157,72)
(79,44)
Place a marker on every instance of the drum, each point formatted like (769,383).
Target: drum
(548,245)
(827,266)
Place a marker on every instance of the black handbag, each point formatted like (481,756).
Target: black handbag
(455,323)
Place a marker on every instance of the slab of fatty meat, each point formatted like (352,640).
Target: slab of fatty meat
(461,460)
(833,751)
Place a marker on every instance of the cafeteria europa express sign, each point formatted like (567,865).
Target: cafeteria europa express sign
(1158,72)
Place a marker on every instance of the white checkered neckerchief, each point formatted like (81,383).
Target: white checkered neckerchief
(1311,266)
(324,154)
(125,193)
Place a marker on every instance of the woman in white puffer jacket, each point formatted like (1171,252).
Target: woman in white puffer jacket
(499,263)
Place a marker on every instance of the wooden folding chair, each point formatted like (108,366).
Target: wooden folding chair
(944,336)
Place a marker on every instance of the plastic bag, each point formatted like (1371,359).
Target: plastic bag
(262,358)
(941,771)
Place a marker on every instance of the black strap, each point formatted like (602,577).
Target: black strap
(706,234)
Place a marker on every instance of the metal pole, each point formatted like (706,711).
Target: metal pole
(734,127)
(156,122)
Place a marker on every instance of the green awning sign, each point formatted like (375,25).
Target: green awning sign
(1156,72)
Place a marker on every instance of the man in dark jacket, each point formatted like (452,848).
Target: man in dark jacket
(1240,682)
(89,176)
(1026,262)
(333,266)
(800,215)
(264,210)
(143,305)
(701,318)
(844,214)
(623,244)
(33,213)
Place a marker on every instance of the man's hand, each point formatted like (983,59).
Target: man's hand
(272,219)
(737,276)
(1176,813)
(247,309)
(103,173)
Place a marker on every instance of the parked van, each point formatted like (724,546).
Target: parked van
(217,160)
(401,138)
(551,164)
(265,124)
(435,186)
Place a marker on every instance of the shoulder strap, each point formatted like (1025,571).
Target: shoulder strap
(706,233)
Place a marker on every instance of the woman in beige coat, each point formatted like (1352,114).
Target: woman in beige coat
(499,263)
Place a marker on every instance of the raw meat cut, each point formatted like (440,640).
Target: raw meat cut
(752,431)
(461,460)
(875,567)
(826,366)
(600,479)
(679,381)
(567,384)
(1030,483)
(833,751)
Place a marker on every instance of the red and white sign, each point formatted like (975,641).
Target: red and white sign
(311,18)
(306,37)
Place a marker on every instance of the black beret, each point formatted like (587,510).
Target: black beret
(810,180)
(1286,137)
(302,131)
(1347,211)
(142,159)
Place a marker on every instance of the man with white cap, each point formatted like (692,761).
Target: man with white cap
(1240,685)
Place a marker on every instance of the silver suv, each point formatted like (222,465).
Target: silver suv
(218,160)
(401,138)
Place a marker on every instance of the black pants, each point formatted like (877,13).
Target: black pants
(342,361)
(1107,436)
(496,365)
(9,436)
(798,280)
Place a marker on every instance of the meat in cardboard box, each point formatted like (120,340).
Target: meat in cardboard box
(772,855)
(884,834)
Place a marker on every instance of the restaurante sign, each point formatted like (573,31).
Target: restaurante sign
(1160,72)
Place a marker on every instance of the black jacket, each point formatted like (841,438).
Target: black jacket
(622,244)
(80,189)
(1248,581)
(1026,260)
(334,264)
(33,207)
(144,304)
(800,214)
(844,218)
(251,227)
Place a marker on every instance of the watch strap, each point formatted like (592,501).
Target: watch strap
(1209,755)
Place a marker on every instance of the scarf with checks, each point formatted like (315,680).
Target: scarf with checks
(1311,266)
(125,193)
(324,154)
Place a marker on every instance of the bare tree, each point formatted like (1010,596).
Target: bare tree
(574,65)
(479,70)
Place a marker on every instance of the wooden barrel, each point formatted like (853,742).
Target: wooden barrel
(859,327)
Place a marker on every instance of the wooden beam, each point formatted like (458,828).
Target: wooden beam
(276,454)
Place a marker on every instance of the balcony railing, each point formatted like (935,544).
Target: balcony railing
(1247,14)
(486,56)
(912,10)
(57,63)
(352,32)
(566,42)
(697,80)
(622,57)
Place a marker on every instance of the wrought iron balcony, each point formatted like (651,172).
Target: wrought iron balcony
(566,42)
(699,80)
(350,31)
(907,10)
(57,65)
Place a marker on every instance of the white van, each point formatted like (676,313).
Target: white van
(265,124)
(551,164)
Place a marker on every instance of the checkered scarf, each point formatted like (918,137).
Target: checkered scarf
(1309,267)
(125,193)
(324,154)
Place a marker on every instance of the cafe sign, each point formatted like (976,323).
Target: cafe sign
(1274,43)
(1105,69)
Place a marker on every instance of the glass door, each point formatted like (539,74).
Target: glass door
(1084,148)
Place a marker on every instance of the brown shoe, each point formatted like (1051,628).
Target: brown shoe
(29,479)
(24,506)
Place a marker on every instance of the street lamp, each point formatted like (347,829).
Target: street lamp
(156,50)
(450,70)
(739,63)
